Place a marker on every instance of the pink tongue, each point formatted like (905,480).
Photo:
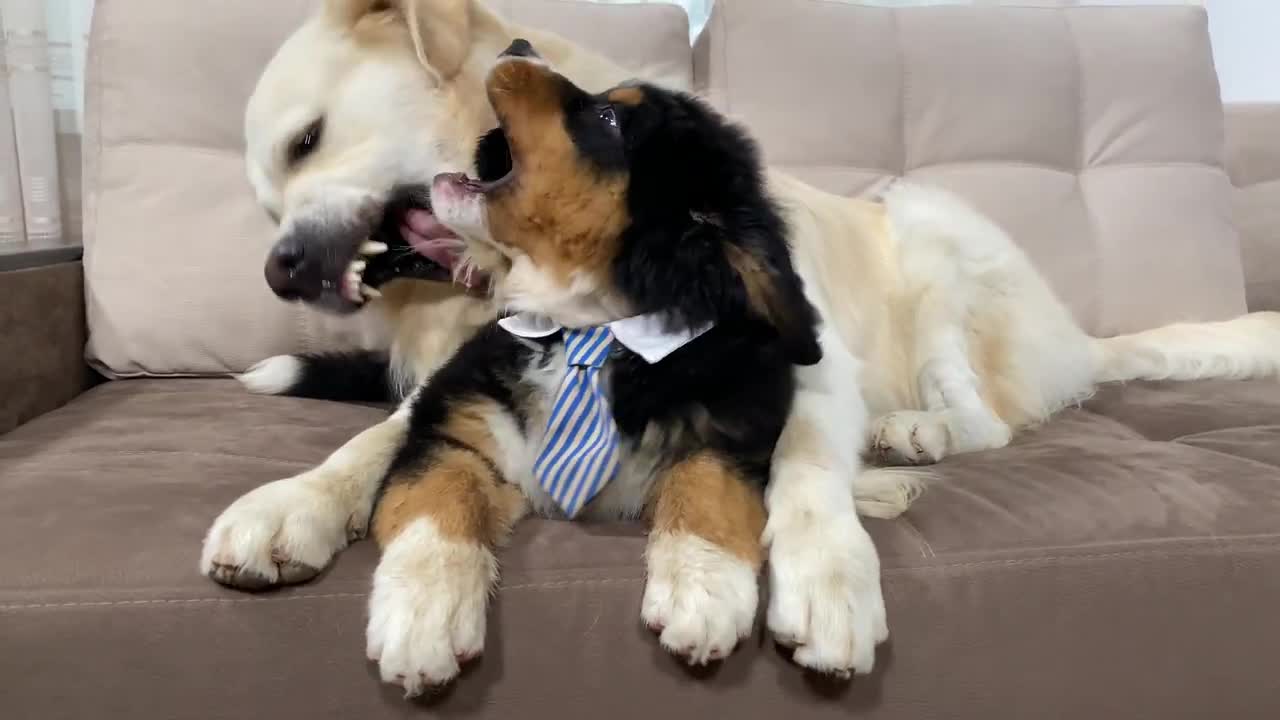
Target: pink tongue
(431,239)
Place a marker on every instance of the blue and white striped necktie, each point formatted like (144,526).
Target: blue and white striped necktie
(580,448)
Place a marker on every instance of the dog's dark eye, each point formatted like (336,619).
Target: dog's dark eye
(608,116)
(306,143)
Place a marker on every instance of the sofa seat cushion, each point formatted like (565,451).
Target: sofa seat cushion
(1124,555)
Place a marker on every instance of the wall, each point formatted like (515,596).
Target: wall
(1246,48)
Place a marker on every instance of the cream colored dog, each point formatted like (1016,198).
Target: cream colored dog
(940,338)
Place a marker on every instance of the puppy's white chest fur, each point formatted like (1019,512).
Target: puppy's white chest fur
(638,462)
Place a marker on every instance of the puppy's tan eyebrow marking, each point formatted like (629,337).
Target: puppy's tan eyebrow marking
(626,96)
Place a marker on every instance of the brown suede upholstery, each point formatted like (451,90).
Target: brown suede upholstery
(42,331)
(1123,556)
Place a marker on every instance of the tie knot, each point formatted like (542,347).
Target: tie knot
(587,347)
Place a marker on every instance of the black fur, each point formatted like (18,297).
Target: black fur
(346,377)
(695,195)
(696,189)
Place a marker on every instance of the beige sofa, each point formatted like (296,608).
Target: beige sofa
(1122,561)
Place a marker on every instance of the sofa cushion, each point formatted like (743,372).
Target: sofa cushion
(174,241)
(1092,134)
(1121,561)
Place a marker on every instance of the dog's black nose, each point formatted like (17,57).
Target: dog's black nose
(286,271)
(520,48)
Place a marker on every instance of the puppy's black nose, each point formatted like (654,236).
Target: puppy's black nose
(520,48)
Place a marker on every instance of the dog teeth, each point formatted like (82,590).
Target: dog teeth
(358,266)
(351,287)
(372,247)
(369,292)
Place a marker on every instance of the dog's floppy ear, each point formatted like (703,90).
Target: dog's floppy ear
(440,29)
(760,278)
(441,32)
(775,293)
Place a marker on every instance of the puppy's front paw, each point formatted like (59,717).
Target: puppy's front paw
(281,533)
(699,598)
(427,610)
(825,593)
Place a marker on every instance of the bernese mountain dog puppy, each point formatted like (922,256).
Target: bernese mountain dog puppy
(645,368)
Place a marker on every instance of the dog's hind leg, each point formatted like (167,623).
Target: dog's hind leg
(445,507)
(703,558)
(287,531)
(955,417)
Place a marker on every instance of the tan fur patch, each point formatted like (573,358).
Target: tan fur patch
(997,385)
(761,293)
(563,212)
(705,496)
(627,96)
(460,490)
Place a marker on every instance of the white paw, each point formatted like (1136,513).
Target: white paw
(427,610)
(910,437)
(283,532)
(824,579)
(273,376)
(699,598)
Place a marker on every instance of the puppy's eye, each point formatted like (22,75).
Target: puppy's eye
(306,143)
(608,116)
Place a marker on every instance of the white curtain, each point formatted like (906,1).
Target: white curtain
(41,118)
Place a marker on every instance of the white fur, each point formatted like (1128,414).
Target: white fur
(700,598)
(824,570)
(272,376)
(427,609)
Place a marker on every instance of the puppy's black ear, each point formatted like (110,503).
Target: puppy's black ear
(773,292)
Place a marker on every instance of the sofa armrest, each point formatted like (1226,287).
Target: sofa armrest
(1253,160)
(43,332)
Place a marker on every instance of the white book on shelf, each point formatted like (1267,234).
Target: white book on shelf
(12,229)
(30,95)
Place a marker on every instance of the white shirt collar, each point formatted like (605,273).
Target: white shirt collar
(644,335)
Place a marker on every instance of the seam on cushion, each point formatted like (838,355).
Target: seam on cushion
(926,550)
(570,583)
(1016,562)
(1220,453)
(97,453)
(1215,549)
(1189,436)
(179,601)
(551,585)
(1086,207)
(177,145)
(903,93)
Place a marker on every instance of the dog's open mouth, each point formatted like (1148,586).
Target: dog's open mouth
(411,243)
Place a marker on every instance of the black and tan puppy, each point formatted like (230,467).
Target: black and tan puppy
(647,368)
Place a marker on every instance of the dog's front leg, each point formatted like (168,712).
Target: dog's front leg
(824,571)
(287,531)
(438,522)
(704,558)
